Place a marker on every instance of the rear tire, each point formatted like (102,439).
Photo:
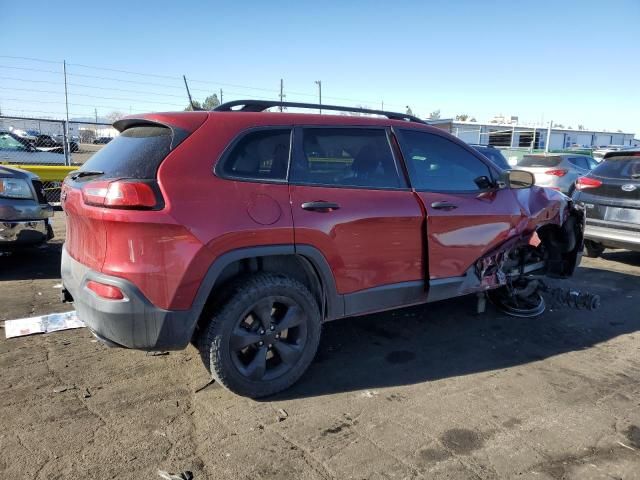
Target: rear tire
(593,249)
(264,337)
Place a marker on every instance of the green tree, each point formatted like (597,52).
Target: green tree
(462,117)
(435,115)
(211,102)
(409,111)
(196,104)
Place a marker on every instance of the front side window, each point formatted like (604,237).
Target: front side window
(438,164)
(357,157)
(261,154)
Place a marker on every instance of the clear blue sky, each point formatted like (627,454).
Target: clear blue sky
(576,62)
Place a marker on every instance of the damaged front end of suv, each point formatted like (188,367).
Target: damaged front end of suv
(546,244)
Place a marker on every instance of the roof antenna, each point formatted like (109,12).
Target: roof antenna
(193,106)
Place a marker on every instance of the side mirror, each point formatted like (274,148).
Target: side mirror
(517,179)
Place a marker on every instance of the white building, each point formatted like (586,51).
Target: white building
(514,135)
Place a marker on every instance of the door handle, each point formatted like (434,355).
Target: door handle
(320,206)
(443,206)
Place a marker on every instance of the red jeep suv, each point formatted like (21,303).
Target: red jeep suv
(244,230)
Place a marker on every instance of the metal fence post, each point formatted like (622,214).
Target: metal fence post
(548,142)
(65,133)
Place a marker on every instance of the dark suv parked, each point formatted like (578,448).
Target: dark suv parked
(243,230)
(611,196)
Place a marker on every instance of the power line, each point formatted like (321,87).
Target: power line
(30,59)
(98,97)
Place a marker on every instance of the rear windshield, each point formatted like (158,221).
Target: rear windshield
(619,167)
(135,153)
(539,161)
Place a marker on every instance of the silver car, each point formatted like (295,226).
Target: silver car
(557,170)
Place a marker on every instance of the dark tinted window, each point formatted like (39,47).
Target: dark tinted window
(356,157)
(135,153)
(539,161)
(580,162)
(438,164)
(619,167)
(262,154)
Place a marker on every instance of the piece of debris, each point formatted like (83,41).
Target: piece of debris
(57,285)
(63,388)
(186,475)
(156,354)
(87,393)
(282,414)
(211,382)
(369,393)
(42,324)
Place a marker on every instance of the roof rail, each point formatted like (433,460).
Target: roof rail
(262,105)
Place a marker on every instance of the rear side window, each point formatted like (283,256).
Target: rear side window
(625,168)
(136,153)
(259,155)
(539,161)
(438,164)
(355,157)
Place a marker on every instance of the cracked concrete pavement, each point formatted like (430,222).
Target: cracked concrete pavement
(426,392)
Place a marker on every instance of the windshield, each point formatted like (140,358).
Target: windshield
(496,157)
(539,161)
(8,143)
(619,167)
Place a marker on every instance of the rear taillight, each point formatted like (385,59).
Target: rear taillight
(121,194)
(559,172)
(584,183)
(105,291)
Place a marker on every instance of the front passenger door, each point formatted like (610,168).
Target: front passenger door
(466,216)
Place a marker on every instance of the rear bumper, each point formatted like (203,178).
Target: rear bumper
(133,322)
(23,233)
(613,237)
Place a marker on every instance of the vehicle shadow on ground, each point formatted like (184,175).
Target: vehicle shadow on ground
(31,263)
(446,339)
(623,256)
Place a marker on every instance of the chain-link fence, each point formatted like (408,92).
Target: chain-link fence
(40,141)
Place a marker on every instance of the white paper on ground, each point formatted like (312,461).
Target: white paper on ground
(42,324)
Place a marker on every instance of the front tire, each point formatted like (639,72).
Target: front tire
(264,337)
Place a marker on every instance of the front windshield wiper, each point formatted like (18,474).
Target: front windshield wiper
(85,173)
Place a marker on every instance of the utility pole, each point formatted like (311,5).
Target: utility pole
(281,93)
(548,142)
(533,140)
(220,96)
(382,105)
(319,83)
(67,160)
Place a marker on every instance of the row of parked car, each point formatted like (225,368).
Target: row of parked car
(608,188)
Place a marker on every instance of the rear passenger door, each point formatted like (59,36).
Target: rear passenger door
(350,201)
